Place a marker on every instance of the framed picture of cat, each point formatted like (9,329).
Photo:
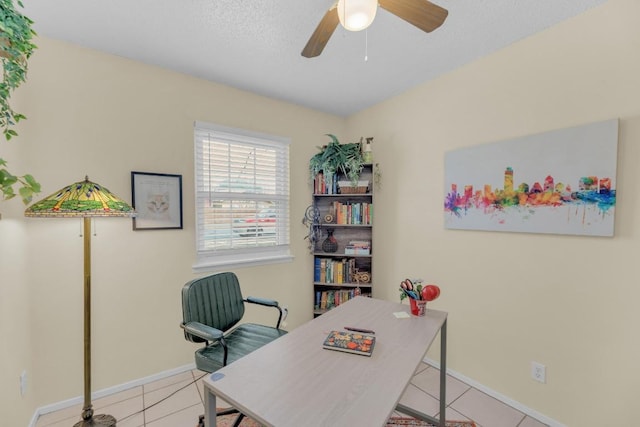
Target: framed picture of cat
(157,199)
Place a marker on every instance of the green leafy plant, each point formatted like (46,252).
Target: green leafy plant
(29,186)
(335,157)
(16,47)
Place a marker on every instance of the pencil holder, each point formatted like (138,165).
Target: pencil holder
(418,307)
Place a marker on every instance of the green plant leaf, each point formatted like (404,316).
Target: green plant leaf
(334,157)
(8,193)
(7,179)
(16,35)
(26,193)
(35,185)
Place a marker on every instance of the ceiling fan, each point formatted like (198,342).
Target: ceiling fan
(356,15)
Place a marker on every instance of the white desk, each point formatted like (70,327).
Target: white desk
(293,381)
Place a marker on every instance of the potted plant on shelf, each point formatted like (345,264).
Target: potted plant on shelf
(16,46)
(335,157)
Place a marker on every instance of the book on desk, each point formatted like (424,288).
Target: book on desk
(350,342)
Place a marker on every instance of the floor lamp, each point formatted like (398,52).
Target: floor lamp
(85,200)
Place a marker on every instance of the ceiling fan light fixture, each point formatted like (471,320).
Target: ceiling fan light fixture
(356,15)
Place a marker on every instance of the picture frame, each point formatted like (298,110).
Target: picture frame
(157,199)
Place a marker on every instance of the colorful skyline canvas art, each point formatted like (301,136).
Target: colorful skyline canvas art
(558,182)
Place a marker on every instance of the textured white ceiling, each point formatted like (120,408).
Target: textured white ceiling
(255,44)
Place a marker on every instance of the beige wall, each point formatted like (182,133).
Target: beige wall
(96,114)
(567,302)
(15,316)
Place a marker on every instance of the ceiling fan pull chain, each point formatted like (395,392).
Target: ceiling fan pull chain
(366,45)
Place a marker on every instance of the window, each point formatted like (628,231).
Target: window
(242,197)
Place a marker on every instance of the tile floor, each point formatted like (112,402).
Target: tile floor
(185,403)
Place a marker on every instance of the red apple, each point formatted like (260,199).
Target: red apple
(430,292)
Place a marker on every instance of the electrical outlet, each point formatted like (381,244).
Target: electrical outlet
(23,383)
(539,372)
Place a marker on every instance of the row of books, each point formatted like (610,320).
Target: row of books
(325,184)
(352,213)
(358,247)
(326,300)
(329,270)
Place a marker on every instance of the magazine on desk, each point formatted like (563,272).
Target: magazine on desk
(350,342)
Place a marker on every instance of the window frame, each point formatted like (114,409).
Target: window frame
(212,260)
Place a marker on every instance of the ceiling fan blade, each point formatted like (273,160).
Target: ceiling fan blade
(421,13)
(321,35)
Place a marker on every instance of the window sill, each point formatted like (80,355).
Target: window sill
(219,263)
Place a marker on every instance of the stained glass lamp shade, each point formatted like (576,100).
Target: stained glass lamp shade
(81,199)
(84,199)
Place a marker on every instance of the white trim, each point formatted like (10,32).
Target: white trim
(165,374)
(502,398)
(234,133)
(212,264)
(34,419)
(107,391)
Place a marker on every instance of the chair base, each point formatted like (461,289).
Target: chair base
(225,412)
(97,421)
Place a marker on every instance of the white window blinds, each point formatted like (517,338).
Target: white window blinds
(242,197)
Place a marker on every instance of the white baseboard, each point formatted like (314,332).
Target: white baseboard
(107,391)
(142,381)
(502,398)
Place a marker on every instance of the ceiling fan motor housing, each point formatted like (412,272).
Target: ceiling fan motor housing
(356,15)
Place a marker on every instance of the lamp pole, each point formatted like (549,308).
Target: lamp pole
(88,419)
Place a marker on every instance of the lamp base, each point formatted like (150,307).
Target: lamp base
(97,421)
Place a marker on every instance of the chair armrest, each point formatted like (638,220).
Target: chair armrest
(202,331)
(270,303)
(263,301)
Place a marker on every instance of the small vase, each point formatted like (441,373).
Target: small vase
(330,244)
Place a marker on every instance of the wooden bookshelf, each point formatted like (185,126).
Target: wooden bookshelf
(339,276)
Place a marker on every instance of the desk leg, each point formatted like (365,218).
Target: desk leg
(209,409)
(443,374)
(442,418)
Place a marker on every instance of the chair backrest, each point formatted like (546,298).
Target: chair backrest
(214,300)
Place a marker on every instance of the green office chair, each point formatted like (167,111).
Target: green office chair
(211,307)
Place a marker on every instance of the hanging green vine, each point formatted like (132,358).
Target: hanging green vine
(16,47)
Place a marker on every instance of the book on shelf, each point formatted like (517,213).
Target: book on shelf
(352,213)
(330,270)
(323,301)
(350,250)
(326,300)
(325,184)
(350,342)
(331,299)
(322,274)
(338,276)
(358,247)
